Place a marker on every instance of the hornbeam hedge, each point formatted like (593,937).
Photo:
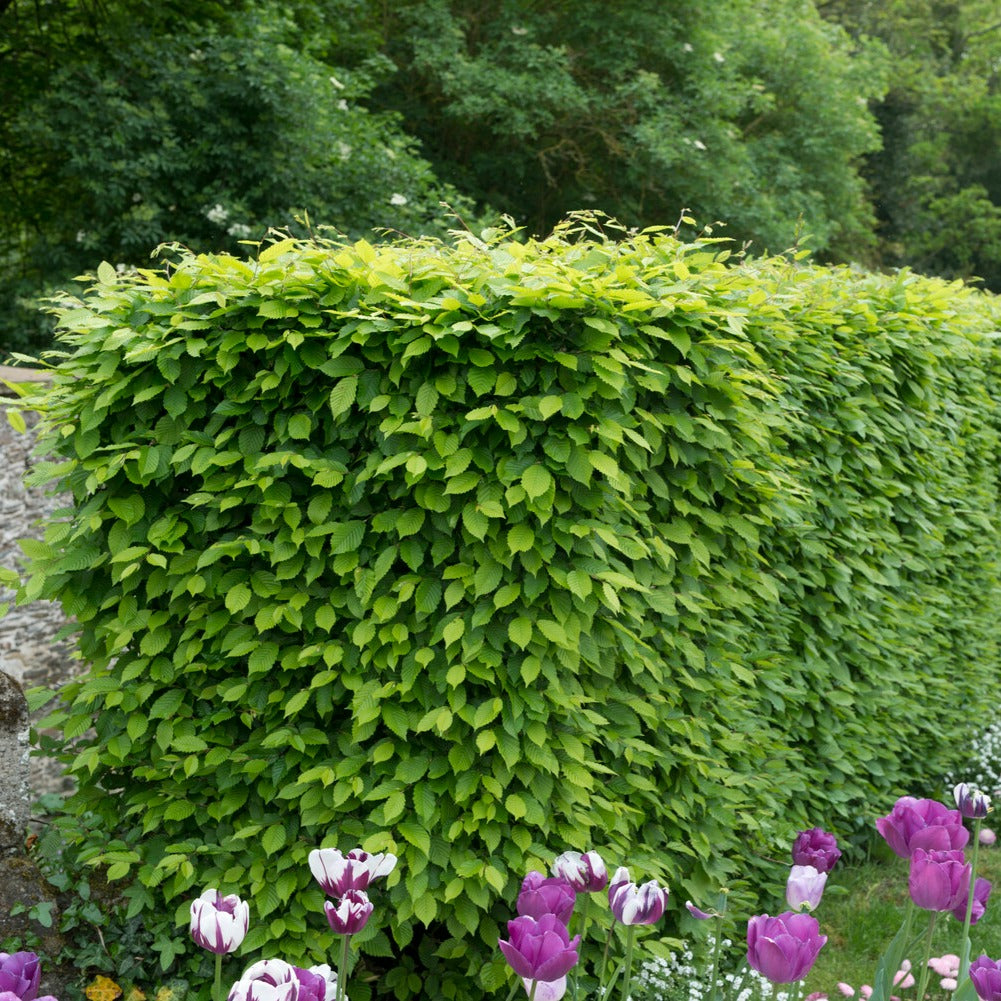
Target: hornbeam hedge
(479,552)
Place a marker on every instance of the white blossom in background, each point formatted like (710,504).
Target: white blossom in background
(240,230)
(217,214)
(81,235)
(719,57)
(342,105)
(344,151)
(337,83)
(397,199)
(699,144)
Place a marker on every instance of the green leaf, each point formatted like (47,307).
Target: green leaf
(342,396)
(520,538)
(536,480)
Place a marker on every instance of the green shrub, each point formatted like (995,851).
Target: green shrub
(476,553)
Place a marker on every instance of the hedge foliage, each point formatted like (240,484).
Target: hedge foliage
(479,552)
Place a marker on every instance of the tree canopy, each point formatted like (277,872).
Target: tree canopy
(869,130)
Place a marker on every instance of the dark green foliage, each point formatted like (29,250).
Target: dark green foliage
(125,126)
(476,553)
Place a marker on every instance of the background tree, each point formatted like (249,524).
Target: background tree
(753,113)
(128,125)
(936,183)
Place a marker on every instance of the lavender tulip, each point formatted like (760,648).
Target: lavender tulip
(971,802)
(986,977)
(981,893)
(551,991)
(19,974)
(817,848)
(636,905)
(939,881)
(805,887)
(268,980)
(337,873)
(586,872)
(350,915)
(539,948)
(546,896)
(922,823)
(784,948)
(219,923)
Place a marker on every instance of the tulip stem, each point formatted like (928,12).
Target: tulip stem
(630,939)
(717,948)
(964,953)
(342,970)
(217,991)
(604,958)
(531,993)
(584,915)
(925,969)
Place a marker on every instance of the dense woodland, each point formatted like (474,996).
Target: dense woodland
(867,130)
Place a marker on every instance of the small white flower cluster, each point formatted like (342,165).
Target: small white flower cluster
(217,214)
(681,977)
(984,770)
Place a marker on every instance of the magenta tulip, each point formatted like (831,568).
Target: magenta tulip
(636,905)
(986,977)
(922,823)
(539,948)
(350,914)
(971,802)
(586,872)
(268,980)
(783,949)
(337,873)
(981,894)
(546,896)
(697,912)
(318,983)
(219,923)
(938,881)
(805,887)
(20,973)
(817,848)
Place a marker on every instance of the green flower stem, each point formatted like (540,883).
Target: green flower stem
(514,988)
(217,990)
(964,953)
(604,958)
(717,949)
(342,970)
(630,939)
(584,915)
(531,993)
(925,968)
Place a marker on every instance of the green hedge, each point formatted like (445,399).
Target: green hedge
(477,553)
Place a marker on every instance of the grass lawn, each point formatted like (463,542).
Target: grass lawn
(861,922)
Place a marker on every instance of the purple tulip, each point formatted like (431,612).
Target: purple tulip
(986,977)
(268,980)
(351,914)
(546,896)
(696,912)
(783,949)
(971,802)
(219,923)
(636,905)
(585,873)
(318,983)
(817,848)
(939,881)
(540,948)
(19,974)
(552,990)
(981,893)
(805,887)
(922,823)
(337,873)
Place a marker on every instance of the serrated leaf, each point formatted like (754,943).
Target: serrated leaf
(536,480)
(342,396)
(520,538)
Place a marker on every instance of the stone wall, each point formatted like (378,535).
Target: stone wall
(29,653)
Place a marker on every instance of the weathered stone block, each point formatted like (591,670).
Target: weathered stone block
(15,799)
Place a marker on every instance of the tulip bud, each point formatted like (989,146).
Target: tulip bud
(805,887)
(219,923)
(268,980)
(350,915)
(971,802)
(585,873)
